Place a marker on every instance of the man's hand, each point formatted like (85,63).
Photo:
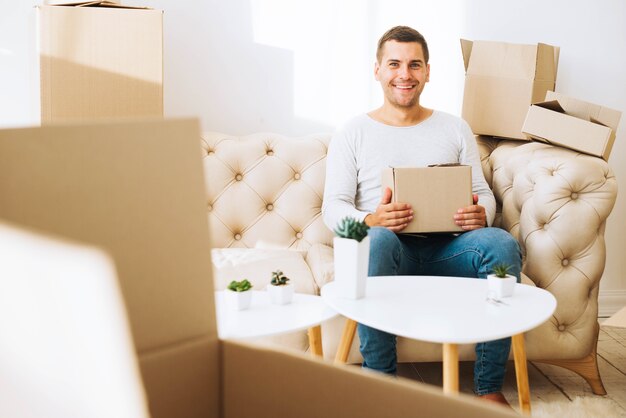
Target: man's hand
(471,217)
(394,216)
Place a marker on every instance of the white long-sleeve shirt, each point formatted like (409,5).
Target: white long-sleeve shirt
(363,147)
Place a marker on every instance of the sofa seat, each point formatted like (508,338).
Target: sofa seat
(265,193)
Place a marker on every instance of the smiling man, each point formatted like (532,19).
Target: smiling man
(403,133)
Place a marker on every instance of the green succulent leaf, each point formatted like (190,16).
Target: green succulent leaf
(279,279)
(501,270)
(352,229)
(240,286)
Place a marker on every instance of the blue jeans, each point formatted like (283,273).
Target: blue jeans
(471,254)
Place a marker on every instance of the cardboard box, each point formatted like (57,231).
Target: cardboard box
(617,320)
(434,193)
(574,124)
(501,81)
(136,190)
(99,60)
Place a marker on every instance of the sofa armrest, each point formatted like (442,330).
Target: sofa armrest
(555,202)
(320,261)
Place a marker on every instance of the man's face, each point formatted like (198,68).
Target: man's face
(402,73)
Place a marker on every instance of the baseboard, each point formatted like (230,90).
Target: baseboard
(610,301)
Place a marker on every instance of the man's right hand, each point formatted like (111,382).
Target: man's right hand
(394,216)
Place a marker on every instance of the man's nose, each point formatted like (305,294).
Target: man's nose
(404,71)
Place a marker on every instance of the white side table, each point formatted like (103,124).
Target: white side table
(447,310)
(264,319)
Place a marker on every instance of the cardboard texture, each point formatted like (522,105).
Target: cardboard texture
(434,193)
(100,61)
(501,81)
(136,190)
(574,124)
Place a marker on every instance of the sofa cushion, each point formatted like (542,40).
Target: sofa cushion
(257,265)
(320,259)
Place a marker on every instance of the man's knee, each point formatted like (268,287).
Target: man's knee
(382,238)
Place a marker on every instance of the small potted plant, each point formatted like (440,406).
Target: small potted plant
(351,257)
(238,295)
(280,291)
(500,283)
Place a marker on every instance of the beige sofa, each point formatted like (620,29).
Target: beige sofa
(265,194)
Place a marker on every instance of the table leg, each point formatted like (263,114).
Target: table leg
(450,368)
(315,341)
(521,373)
(346,341)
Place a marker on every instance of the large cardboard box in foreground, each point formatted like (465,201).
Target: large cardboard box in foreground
(574,124)
(501,81)
(434,193)
(136,190)
(100,61)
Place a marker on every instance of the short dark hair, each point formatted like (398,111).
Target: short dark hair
(401,34)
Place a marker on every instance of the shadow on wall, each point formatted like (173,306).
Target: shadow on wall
(214,69)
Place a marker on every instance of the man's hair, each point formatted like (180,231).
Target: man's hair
(401,34)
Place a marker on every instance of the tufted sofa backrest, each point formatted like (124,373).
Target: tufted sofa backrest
(265,190)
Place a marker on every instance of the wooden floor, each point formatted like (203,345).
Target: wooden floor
(547,383)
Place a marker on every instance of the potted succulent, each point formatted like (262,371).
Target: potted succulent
(500,283)
(280,291)
(351,257)
(238,295)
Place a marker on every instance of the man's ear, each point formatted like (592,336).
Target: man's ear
(427,73)
(376,69)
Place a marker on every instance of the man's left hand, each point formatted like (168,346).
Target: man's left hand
(471,217)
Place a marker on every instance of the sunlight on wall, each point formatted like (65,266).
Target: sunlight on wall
(330,49)
(334,44)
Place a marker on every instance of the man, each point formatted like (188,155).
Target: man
(404,133)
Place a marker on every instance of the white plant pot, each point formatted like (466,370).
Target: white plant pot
(499,288)
(351,259)
(237,301)
(281,295)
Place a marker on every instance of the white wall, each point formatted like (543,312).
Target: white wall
(300,67)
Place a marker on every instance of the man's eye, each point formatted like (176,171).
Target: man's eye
(393,64)
(415,65)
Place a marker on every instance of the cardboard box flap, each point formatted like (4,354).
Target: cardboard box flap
(553,105)
(585,110)
(466,48)
(501,59)
(546,62)
(100,4)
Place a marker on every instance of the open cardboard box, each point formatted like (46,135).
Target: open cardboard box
(434,193)
(136,190)
(501,81)
(574,124)
(99,60)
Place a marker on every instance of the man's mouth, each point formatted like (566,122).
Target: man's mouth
(404,86)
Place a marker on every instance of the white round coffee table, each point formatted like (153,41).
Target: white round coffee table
(447,310)
(264,319)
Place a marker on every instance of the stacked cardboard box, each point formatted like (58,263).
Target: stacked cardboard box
(509,93)
(99,60)
(574,124)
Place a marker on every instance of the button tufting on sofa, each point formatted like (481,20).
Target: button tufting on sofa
(299,235)
(574,195)
(237,237)
(296,176)
(564,262)
(269,207)
(561,327)
(238,177)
